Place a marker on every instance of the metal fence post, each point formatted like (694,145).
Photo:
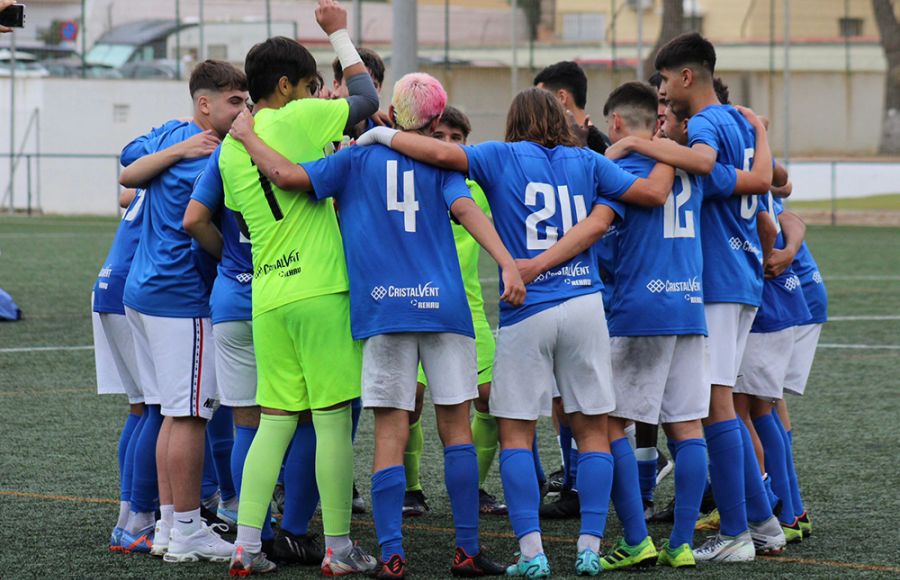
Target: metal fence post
(28,169)
(834,193)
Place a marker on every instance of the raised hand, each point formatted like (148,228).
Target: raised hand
(331,16)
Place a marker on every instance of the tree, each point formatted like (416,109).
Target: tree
(889,28)
(672,26)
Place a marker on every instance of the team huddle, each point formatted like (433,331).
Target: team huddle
(279,269)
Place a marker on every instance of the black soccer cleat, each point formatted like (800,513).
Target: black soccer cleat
(490,505)
(466,566)
(568,506)
(393,568)
(554,484)
(414,504)
(289,548)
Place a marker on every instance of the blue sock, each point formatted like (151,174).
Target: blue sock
(461,479)
(626,492)
(242,441)
(776,464)
(536,459)
(520,490)
(388,489)
(565,445)
(355,412)
(758,507)
(128,430)
(788,437)
(595,482)
(726,474)
(210,483)
(690,483)
(220,434)
(301,491)
(127,483)
(647,478)
(144,487)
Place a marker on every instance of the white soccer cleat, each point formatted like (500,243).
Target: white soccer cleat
(161,535)
(768,537)
(204,544)
(721,548)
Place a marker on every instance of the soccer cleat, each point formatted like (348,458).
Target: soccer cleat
(708,522)
(489,505)
(675,557)
(805,524)
(211,519)
(140,543)
(115,539)
(721,548)
(649,509)
(567,506)
(793,534)
(244,563)
(204,544)
(555,482)
(663,466)
(466,566)
(708,503)
(293,549)
(356,561)
(768,537)
(587,563)
(161,533)
(624,556)
(277,503)
(395,567)
(414,504)
(359,504)
(537,567)
(665,515)
(227,516)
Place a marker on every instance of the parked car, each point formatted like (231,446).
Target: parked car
(149,69)
(26,64)
(71,68)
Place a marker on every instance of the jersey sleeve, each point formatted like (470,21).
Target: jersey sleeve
(611,180)
(617,206)
(453,187)
(146,144)
(209,189)
(482,158)
(329,175)
(323,120)
(720,183)
(701,130)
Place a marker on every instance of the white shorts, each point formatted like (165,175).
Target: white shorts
(729,326)
(390,367)
(565,347)
(235,363)
(765,364)
(117,369)
(176,361)
(660,379)
(806,339)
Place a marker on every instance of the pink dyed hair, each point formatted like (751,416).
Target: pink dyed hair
(418,98)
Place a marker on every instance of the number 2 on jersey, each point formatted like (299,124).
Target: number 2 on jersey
(409,206)
(549,195)
(673,225)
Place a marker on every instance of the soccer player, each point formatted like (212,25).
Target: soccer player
(306,358)
(543,188)
(407,302)
(568,82)
(167,304)
(454,127)
(732,287)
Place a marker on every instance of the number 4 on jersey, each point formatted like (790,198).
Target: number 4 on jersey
(409,206)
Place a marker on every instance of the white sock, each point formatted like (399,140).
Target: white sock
(530,545)
(187,522)
(629,433)
(589,542)
(167,514)
(211,502)
(250,538)
(340,545)
(124,509)
(230,504)
(138,521)
(646,454)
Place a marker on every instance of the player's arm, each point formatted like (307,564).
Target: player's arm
(698,159)
(467,213)
(419,147)
(758,180)
(654,190)
(276,167)
(794,231)
(581,237)
(783,191)
(765,227)
(198,223)
(126,197)
(145,169)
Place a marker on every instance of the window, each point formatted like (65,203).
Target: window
(120,113)
(850,26)
(584,27)
(217,51)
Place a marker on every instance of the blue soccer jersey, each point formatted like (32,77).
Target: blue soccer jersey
(607,251)
(731,247)
(783,303)
(658,280)
(813,285)
(536,196)
(110,282)
(167,276)
(401,258)
(231,297)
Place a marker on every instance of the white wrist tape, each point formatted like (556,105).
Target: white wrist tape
(343,46)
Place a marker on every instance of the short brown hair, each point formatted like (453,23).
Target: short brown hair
(456,119)
(217,76)
(536,115)
(371,60)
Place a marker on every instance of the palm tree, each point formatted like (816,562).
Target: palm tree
(889,28)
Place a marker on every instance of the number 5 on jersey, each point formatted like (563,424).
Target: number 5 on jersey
(409,205)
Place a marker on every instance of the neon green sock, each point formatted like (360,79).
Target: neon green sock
(262,466)
(334,468)
(412,457)
(485,438)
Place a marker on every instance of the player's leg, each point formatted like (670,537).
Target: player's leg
(485,435)
(567,504)
(220,437)
(414,502)
(648,460)
(783,423)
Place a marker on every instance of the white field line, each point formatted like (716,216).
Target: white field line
(861,346)
(871,317)
(44,348)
